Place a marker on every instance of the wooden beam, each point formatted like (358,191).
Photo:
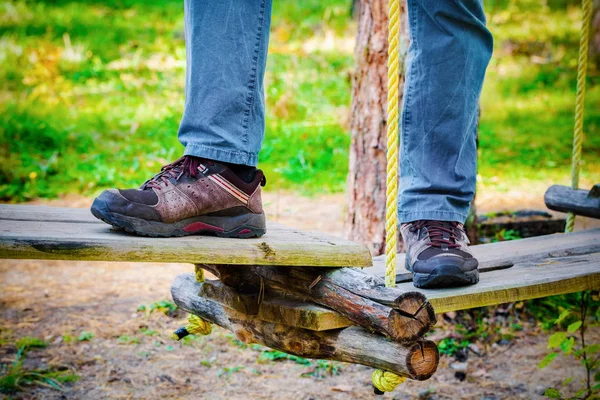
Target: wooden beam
(501,255)
(67,235)
(273,307)
(405,318)
(355,345)
(578,201)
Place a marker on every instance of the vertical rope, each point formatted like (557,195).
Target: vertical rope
(586,12)
(391,199)
(385,381)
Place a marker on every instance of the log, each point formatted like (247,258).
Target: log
(406,318)
(417,360)
(274,308)
(579,201)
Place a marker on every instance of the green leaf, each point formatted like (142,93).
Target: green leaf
(567,345)
(597,376)
(562,316)
(547,360)
(592,349)
(552,393)
(574,326)
(556,339)
(567,381)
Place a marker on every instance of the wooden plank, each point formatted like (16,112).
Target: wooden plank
(82,240)
(527,280)
(579,201)
(15,212)
(502,255)
(354,344)
(273,308)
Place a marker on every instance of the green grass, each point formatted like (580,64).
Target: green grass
(91,95)
(14,376)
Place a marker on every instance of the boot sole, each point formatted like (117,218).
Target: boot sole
(445,276)
(243,226)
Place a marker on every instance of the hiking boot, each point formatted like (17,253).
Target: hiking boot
(437,254)
(189,196)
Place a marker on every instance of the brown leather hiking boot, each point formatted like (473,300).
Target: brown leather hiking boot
(438,255)
(189,196)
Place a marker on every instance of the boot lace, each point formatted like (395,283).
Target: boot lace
(436,231)
(186,165)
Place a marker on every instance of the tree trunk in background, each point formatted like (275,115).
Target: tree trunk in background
(595,37)
(365,220)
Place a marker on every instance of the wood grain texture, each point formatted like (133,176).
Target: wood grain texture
(348,291)
(502,255)
(565,199)
(273,307)
(355,345)
(66,234)
(526,280)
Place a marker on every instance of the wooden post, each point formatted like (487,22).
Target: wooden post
(417,360)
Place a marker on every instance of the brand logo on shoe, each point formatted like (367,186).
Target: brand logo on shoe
(229,188)
(202,168)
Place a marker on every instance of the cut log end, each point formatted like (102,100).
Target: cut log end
(422,360)
(411,317)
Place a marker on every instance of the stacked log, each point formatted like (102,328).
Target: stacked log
(339,314)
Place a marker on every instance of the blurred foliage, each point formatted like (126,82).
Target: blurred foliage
(91,94)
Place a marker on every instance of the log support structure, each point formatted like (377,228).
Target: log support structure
(417,359)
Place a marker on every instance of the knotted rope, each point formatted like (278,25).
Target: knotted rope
(586,13)
(385,381)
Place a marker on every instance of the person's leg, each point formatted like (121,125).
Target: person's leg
(226,47)
(214,188)
(448,55)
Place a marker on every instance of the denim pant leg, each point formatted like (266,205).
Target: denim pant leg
(226,49)
(447,58)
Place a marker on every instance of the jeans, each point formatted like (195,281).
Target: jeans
(224,116)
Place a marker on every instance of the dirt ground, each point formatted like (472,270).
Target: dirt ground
(131,355)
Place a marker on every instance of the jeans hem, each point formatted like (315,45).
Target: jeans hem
(216,154)
(437,215)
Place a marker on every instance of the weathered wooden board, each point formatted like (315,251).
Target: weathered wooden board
(526,280)
(15,212)
(502,255)
(70,234)
(273,308)
(356,345)
(579,201)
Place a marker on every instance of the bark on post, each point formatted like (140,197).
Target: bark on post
(366,178)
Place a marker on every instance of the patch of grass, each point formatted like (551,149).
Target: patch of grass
(164,306)
(13,377)
(275,355)
(323,369)
(85,336)
(29,342)
(125,339)
(149,332)
(449,346)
